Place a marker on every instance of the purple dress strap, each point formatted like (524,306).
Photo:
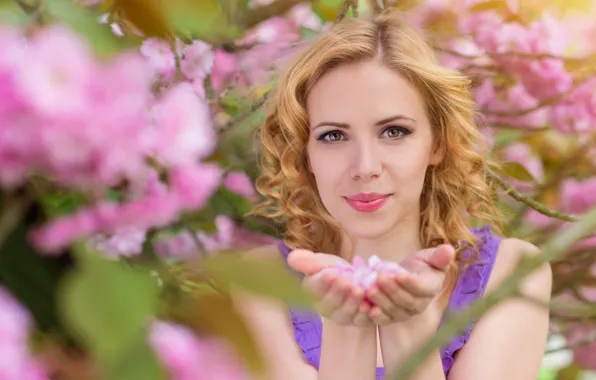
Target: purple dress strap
(308,327)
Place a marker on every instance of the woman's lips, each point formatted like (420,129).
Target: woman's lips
(368,202)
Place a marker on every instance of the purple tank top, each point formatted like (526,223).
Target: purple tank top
(308,327)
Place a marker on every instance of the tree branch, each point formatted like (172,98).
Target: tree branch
(541,208)
(457,323)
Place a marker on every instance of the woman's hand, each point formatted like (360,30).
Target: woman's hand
(335,296)
(400,296)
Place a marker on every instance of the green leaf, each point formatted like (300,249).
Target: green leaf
(264,277)
(506,136)
(517,171)
(11,14)
(108,305)
(327,10)
(146,16)
(139,362)
(214,314)
(85,22)
(213,21)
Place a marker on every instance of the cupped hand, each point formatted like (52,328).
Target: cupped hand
(400,296)
(336,298)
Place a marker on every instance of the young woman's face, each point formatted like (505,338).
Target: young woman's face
(369,148)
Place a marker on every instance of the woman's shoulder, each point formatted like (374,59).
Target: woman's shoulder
(510,253)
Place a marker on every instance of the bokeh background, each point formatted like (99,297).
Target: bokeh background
(128,160)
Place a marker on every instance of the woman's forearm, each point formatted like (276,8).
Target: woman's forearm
(348,352)
(400,341)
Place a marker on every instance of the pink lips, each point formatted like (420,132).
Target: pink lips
(367,202)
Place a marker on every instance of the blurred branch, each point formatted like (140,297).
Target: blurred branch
(30,9)
(541,208)
(244,114)
(346,5)
(513,54)
(456,323)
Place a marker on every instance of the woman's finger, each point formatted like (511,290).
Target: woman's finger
(397,294)
(336,295)
(349,309)
(382,300)
(423,285)
(362,318)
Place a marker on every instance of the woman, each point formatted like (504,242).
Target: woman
(371,148)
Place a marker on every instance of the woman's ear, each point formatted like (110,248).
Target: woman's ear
(437,154)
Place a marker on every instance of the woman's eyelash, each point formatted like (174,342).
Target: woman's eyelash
(403,130)
(335,135)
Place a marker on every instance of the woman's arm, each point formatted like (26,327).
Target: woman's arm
(509,341)
(346,353)
(401,340)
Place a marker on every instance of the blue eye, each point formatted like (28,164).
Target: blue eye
(395,132)
(331,136)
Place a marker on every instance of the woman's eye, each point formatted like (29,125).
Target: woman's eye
(395,132)
(332,136)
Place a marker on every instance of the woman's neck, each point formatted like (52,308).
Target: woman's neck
(395,245)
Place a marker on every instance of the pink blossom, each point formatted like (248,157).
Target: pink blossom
(224,67)
(583,355)
(240,183)
(188,357)
(576,113)
(496,100)
(190,189)
(128,242)
(179,246)
(56,75)
(16,362)
(578,196)
(302,15)
(160,56)
(228,235)
(197,60)
(183,127)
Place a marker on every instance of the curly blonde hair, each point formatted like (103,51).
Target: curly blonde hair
(454,191)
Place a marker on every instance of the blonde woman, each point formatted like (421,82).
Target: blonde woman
(371,148)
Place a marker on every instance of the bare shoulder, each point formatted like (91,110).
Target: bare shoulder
(493,351)
(511,252)
(270,324)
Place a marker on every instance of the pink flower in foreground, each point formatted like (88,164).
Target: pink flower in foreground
(160,56)
(240,183)
(183,129)
(225,65)
(197,60)
(16,362)
(190,189)
(185,356)
(56,76)
(124,243)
